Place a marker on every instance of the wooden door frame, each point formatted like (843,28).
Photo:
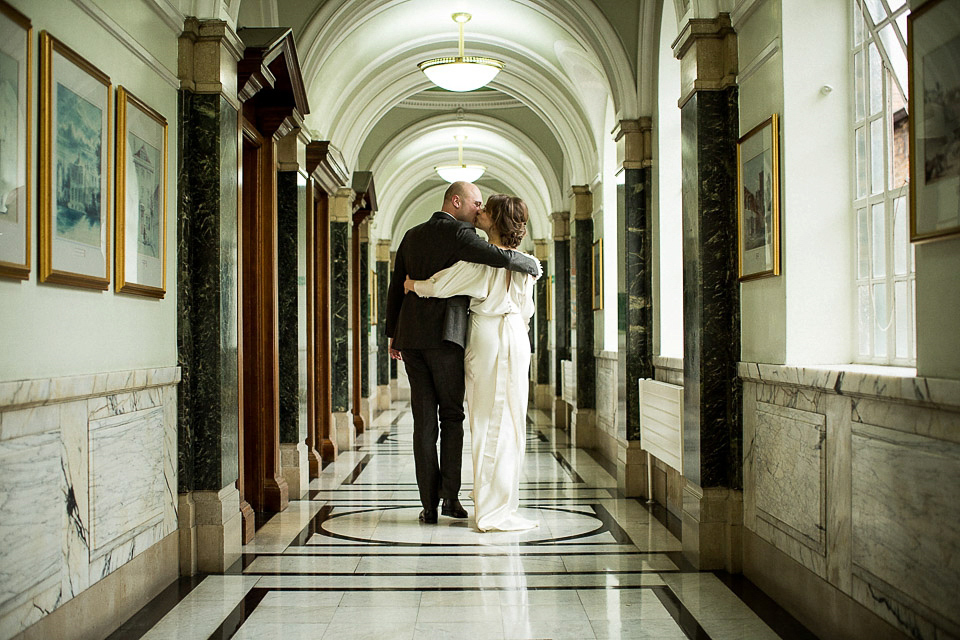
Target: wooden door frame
(323,364)
(265,487)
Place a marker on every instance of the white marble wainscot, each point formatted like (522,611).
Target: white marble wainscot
(607,373)
(87,481)
(853,472)
(669,370)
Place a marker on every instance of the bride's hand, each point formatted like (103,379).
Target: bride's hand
(408,285)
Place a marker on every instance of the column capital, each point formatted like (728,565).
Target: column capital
(707,50)
(561,225)
(541,250)
(341,208)
(634,140)
(363,230)
(383,251)
(582,202)
(292,151)
(207,56)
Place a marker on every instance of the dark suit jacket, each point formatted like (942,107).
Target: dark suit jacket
(441,241)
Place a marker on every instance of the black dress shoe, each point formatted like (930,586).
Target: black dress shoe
(428,516)
(453,508)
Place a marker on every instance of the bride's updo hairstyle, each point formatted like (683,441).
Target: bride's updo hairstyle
(509,216)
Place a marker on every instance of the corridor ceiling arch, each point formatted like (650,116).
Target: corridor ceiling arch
(535,24)
(358,108)
(502,175)
(433,136)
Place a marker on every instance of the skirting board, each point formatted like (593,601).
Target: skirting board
(96,612)
(821,607)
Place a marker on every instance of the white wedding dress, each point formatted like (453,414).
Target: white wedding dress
(496,364)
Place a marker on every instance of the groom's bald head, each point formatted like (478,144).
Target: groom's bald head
(460,200)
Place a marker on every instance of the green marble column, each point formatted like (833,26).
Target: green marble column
(207,404)
(292,305)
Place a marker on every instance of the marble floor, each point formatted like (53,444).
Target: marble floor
(351,561)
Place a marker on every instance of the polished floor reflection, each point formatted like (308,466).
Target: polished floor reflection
(352,561)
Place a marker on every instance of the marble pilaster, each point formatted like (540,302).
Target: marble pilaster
(584,413)
(561,291)
(543,394)
(383,355)
(364,329)
(636,354)
(207,332)
(340,210)
(393,363)
(712,434)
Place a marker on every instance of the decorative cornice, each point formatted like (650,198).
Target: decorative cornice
(477,101)
(325,164)
(113,28)
(636,149)
(707,50)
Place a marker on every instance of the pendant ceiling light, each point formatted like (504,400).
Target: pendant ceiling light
(460,172)
(462,73)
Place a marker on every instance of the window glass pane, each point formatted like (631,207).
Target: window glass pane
(895,52)
(876,80)
(899,147)
(861,162)
(900,241)
(881,321)
(903,323)
(857,24)
(895,4)
(863,307)
(876,156)
(879,245)
(863,244)
(877,12)
(860,87)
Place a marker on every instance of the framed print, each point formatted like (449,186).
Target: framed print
(373,298)
(933,39)
(758,201)
(598,274)
(74,185)
(16,64)
(141,197)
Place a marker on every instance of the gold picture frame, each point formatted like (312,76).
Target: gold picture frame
(16,80)
(933,39)
(758,201)
(549,286)
(75,161)
(597,274)
(141,239)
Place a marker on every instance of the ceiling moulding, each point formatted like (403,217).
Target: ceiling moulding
(444,102)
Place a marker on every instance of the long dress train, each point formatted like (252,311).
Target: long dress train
(496,364)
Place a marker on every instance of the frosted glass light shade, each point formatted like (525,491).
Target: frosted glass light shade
(460,172)
(462,73)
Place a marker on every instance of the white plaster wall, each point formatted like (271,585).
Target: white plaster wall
(938,307)
(817,187)
(59,330)
(763,302)
(666,198)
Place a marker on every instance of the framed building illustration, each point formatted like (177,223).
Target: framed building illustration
(75,159)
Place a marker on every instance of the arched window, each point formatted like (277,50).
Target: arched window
(886,286)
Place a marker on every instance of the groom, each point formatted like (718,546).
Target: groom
(429,334)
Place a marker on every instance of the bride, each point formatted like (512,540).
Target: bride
(496,363)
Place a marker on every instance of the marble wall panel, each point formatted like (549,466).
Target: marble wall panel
(904,516)
(75,464)
(33,517)
(127,484)
(363,343)
(790,469)
(607,392)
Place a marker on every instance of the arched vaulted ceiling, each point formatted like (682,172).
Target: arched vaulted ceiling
(539,127)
